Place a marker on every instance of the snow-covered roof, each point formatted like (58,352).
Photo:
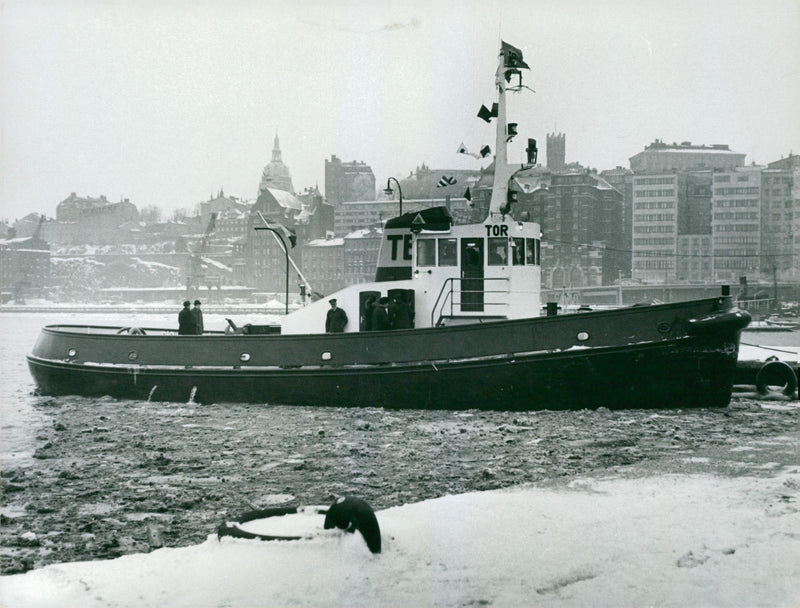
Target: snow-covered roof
(216,264)
(326,242)
(362,233)
(285,199)
(151,264)
(687,150)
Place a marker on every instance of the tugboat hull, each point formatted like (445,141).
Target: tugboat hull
(666,356)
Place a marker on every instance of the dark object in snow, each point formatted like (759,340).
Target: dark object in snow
(353,514)
(233,529)
(777,374)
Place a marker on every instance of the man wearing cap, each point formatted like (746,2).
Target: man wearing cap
(197,315)
(186,325)
(336,319)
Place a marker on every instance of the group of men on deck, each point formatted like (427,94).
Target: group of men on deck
(190,320)
(379,315)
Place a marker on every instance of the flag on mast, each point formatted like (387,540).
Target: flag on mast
(512,57)
(286,233)
(462,149)
(485,114)
(511,131)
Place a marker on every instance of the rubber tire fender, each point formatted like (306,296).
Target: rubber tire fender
(771,373)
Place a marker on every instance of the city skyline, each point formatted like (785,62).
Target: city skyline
(164,104)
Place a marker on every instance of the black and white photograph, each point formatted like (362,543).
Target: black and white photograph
(424,303)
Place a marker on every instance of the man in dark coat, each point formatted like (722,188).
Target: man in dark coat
(380,316)
(336,319)
(399,315)
(197,315)
(186,324)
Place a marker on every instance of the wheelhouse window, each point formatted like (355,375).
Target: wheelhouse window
(532,252)
(518,251)
(426,252)
(448,251)
(498,251)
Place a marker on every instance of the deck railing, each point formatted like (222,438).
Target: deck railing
(447,298)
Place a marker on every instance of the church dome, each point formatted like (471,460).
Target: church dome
(276,175)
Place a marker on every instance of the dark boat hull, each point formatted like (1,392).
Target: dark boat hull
(666,356)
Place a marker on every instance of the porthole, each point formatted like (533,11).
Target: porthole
(326,356)
(133,355)
(72,352)
(664,327)
(244,357)
(583,336)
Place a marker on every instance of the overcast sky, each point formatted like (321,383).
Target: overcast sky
(165,102)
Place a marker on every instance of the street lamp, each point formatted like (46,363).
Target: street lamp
(285,251)
(388,191)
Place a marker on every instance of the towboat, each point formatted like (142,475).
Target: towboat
(475,335)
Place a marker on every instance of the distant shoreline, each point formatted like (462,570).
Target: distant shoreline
(92,309)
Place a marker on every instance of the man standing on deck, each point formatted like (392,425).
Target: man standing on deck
(336,319)
(186,324)
(380,315)
(197,315)
(399,314)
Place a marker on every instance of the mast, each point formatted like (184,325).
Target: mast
(509,64)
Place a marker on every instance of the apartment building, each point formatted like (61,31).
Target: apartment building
(736,225)
(780,218)
(323,264)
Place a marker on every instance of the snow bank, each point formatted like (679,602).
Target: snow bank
(668,540)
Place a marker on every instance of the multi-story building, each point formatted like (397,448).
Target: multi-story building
(556,151)
(221,205)
(693,263)
(24,266)
(353,181)
(323,264)
(622,180)
(655,227)
(315,220)
(736,225)
(264,254)
(580,214)
(96,221)
(671,210)
(361,249)
(232,223)
(780,219)
(659,157)
(693,251)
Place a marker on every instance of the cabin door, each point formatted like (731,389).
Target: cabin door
(472,274)
(366,302)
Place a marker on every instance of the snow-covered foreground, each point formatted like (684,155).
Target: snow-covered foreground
(666,540)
